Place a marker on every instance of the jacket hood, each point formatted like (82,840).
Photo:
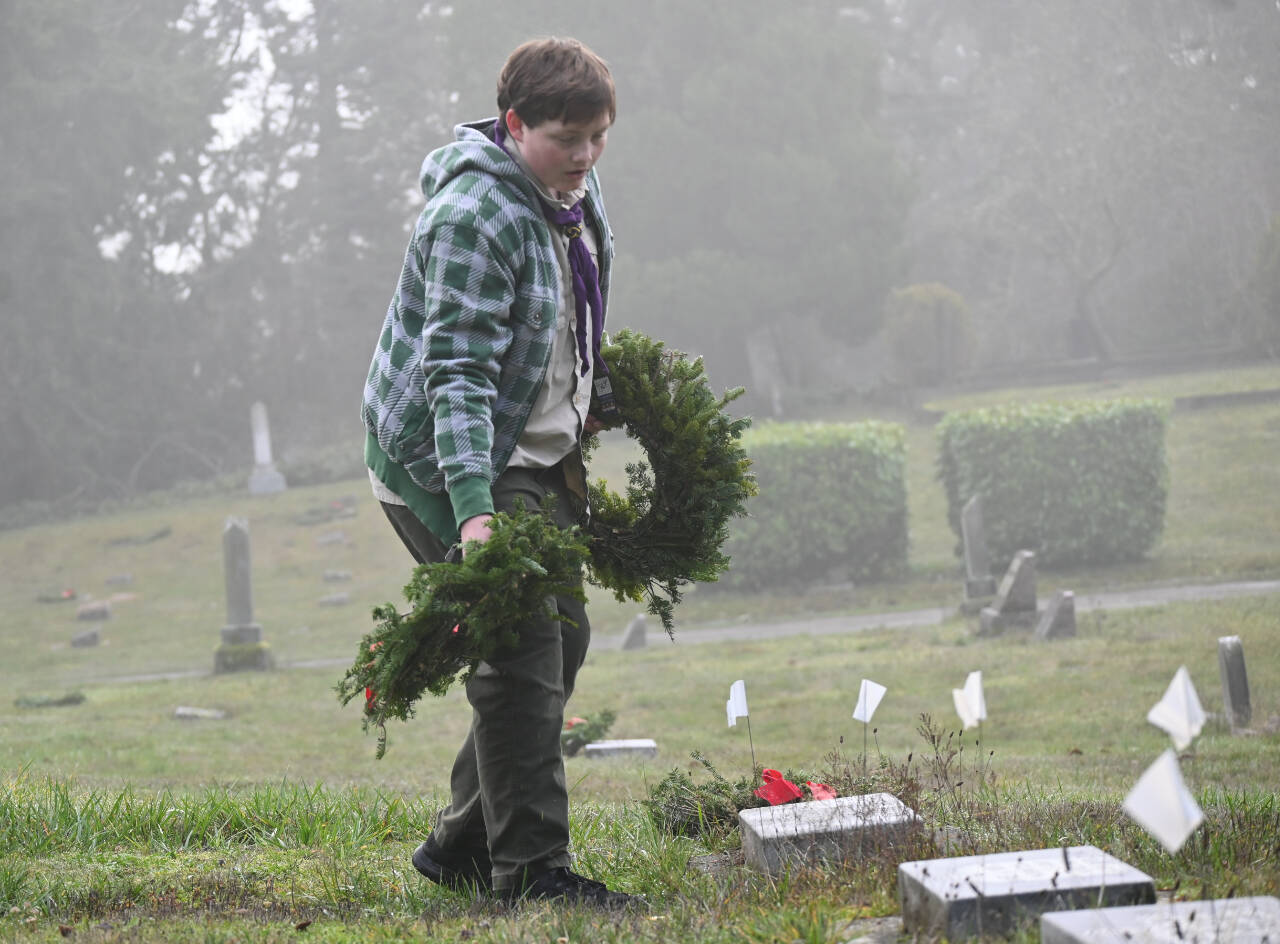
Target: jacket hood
(473,150)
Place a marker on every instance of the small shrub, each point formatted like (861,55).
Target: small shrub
(832,505)
(1074,482)
(928,329)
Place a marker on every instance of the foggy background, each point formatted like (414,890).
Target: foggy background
(206,204)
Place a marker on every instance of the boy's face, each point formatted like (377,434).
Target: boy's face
(560,154)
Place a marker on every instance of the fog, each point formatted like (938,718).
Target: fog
(206,204)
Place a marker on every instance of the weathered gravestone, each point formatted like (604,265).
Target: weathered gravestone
(94,610)
(979,585)
(1225,921)
(1059,618)
(242,646)
(775,838)
(995,894)
(633,638)
(336,576)
(86,639)
(265,477)
(342,598)
(626,747)
(1235,682)
(188,713)
(1015,602)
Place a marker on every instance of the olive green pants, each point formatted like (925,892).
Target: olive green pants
(508,787)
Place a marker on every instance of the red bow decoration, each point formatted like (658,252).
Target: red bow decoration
(820,791)
(777,789)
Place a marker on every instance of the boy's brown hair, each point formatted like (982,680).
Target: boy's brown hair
(555,79)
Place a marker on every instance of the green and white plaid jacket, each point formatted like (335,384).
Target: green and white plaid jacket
(467,336)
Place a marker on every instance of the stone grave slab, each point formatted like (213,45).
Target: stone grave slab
(1235,682)
(978,582)
(188,713)
(1225,921)
(776,837)
(994,894)
(1059,618)
(625,747)
(86,639)
(336,576)
(633,638)
(1015,602)
(341,598)
(94,611)
(265,479)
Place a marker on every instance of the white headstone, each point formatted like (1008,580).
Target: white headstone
(265,477)
(1225,921)
(993,894)
(625,747)
(775,837)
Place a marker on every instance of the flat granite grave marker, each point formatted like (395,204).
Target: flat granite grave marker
(1059,618)
(1235,682)
(1225,921)
(633,638)
(265,478)
(775,837)
(1015,602)
(979,585)
(625,747)
(86,639)
(94,610)
(242,646)
(994,894)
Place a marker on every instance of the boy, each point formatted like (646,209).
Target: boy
(477,399)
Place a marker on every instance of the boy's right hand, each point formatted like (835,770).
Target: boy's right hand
(474,529)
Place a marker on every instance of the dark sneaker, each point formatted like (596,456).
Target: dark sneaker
(571,888)
(461,873)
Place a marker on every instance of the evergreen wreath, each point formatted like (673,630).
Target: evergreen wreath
(665,532)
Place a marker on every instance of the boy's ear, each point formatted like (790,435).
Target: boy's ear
(515,127)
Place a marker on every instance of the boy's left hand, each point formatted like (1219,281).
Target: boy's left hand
(593,425)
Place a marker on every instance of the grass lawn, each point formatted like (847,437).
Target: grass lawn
(122,823)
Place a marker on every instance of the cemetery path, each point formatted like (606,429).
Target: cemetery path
(837,625)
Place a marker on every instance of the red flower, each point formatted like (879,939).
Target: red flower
(777,789)
(820,791)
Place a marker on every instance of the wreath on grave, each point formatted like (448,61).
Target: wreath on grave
(646,544)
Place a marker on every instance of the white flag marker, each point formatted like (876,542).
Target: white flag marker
(971,704)
(869,696)
(736,706)
(1179,711)
(1160,804)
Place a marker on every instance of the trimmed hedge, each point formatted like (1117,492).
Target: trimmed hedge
(832,505)
(1074,482)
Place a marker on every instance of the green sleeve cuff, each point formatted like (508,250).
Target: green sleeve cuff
(471,496)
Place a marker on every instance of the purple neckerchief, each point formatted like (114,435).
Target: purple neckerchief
(586,278)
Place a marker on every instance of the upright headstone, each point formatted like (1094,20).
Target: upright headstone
(1235,682)
(242,646)
(265,477)
(1059,618)
(1015,602)
(994,894)
(775,838)
(979,585)
(633,638)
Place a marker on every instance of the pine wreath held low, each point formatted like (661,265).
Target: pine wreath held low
(665,532)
